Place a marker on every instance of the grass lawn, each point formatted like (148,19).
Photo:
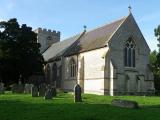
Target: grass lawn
(93,107)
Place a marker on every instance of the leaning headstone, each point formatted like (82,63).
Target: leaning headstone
(124,103)
(27,88)
(48,94)
(42,90)
(34,91)
(77,93)
(2,88)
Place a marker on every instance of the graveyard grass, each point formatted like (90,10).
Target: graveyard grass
(62,107)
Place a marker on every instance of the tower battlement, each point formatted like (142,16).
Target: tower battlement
(47,31)
(47,37)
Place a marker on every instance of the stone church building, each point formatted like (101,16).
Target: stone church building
(108,60)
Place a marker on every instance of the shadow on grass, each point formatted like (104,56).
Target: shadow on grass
(21,110)
(14,109)
(150,106)
(62,107)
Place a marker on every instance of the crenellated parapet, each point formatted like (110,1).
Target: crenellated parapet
(47,37)
(48,31)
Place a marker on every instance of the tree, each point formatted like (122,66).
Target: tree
(157,34)
(19,52)
(155,61)
(155,68)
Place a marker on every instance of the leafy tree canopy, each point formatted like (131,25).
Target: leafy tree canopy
(157,34)
(155,61)
(19,51)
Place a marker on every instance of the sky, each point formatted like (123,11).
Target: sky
(69,16)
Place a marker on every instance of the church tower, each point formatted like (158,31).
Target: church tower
(46,38)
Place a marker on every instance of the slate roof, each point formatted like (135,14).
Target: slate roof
(57,49)
(96,38)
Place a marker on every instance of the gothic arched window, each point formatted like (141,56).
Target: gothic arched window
(129,53)
(72,67)
(54,72)
(47,70)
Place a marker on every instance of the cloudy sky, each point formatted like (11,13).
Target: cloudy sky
(69,16)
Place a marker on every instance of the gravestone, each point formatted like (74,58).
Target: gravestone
(48,94)
(2,88)
(77,93)
(27,88)
(14,88)
(20,88)
(54,92)
(42,90)
(34,91)
(17,88)
(124,103)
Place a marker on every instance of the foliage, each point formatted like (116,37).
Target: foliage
(19,51)
(62,107)
(155,68)
(155,61)
(157,34)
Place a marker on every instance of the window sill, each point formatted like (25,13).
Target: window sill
(130,69)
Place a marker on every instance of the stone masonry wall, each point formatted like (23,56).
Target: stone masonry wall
(130,29)
(46,38)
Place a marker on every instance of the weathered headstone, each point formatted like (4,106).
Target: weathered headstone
(2,88)
(17,88)
(27,88)
(77,93)
(20,88)
(124,103)
(54,92)
(14,88)
(42,90)
(48,94)
(34,91)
